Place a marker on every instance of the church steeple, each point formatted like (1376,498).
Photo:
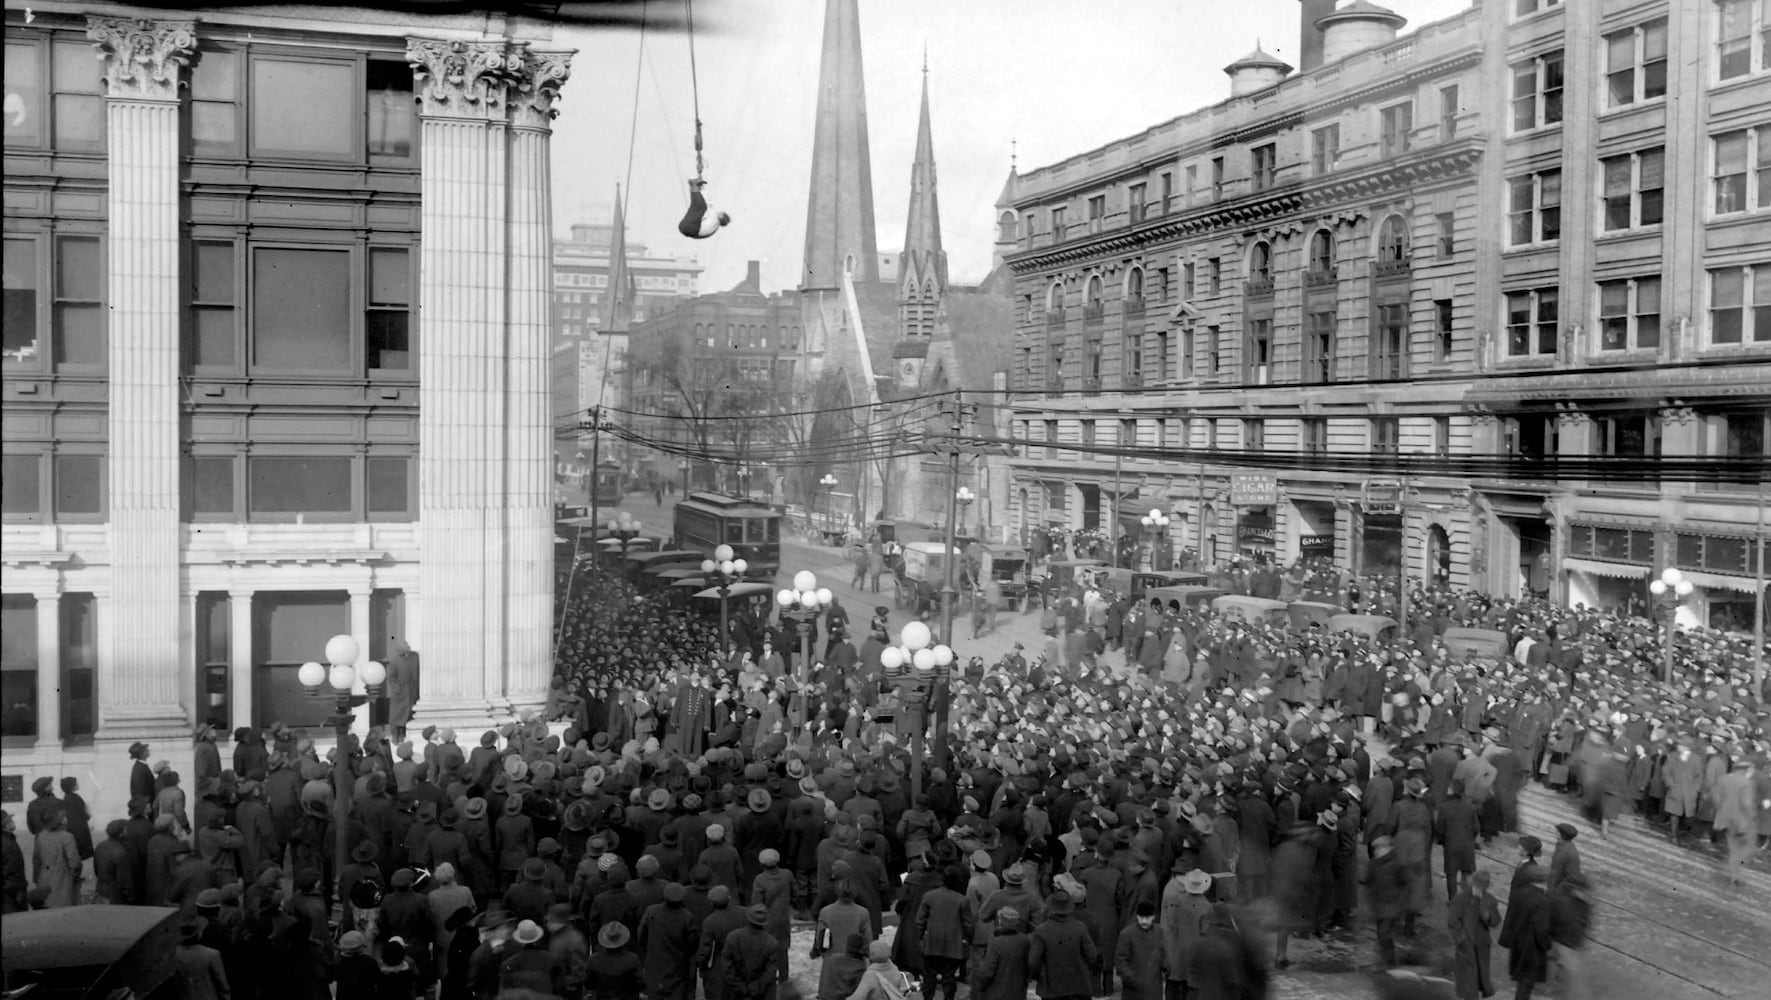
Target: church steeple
(839,212)
(923,265)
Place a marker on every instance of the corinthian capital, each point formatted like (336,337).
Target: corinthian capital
(464,79)
(142,58)
(538,86)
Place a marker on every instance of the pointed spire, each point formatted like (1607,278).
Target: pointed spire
(924,262)
(839,211)
(615,314)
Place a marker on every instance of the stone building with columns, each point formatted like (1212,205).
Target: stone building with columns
(277,289)
(1530,238)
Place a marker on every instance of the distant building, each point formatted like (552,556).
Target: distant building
(1526,234)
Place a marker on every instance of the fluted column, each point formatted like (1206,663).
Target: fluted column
(49,673)
(528,502)
(239,658)
(143,60)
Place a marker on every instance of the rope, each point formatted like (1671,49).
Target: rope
(633,127)
(694,85)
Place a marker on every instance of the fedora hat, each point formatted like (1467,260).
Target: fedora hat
(513,805)
(760,800)
(659,800)
(527,932)
(475,808)
(534,870)
(516,768)
(577,817)
(1014,874)
(613,935)
(1196,882)
(364,852)
(758,915)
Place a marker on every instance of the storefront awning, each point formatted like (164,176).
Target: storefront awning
(1744,584)
(1621,571)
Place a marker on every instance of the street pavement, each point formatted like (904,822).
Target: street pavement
(1667,923)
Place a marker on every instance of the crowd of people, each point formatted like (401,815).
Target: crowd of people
(1119,810)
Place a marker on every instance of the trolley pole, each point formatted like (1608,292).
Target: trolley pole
(958,412)
(1402,553)
(596,441)
(1759,601)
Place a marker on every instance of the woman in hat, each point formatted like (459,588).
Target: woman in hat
(57,863)
(207,756)
(36,814)
(514,835)
(79,817)
(359,973)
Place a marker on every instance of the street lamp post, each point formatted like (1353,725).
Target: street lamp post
(828,485)
(723,571)
(743,474)
(1156,524)
(626,528)
(1669,592)
(928,680)
(341,676)
(684,466)
(801,605)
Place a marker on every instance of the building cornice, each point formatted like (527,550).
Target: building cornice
(1248,212)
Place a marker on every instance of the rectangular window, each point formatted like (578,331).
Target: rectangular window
(79,320)
(1135,206)
(1168,191)
(1217,178)
(1258,352)
(1319,330)
(212,485)
(79,486)
(1740,305)
(18,652)
(1442,437)
(304,108)
(1532,322)
(1523,8)
(215,104)
(301,310)
(1214,275)
(1445,223)
(1254,435)
(79,664)
(1744,435)
(1742,26)
(393,116)
(387,327)
(1629,314)
(22,330)
(78,108)
(1214,350)
(1635,435)
(24,97)
(1442,331)
(1211,435)
(1189,275)
(1134,356)
(1191,191)
(1051,438)
(213,331)
(1325,149)
(1187,347)
(1088,433)
(1396,129)
(1635,63)
(1535,208)
(1384,435)
(1058,223)
(1741,176)
(1537,92)
(21,489)
(389,493)
(1634,189)
(305,485)
(1265,163)
(1389,359)
(1128,433)
(1313,435)
(1448,110)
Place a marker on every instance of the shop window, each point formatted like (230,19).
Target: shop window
(214,327)
(304,108)
(79,666)
(215,104)
(298,485)
(301,311)
(23,328)
(18,664)
(388,323)
(79,321)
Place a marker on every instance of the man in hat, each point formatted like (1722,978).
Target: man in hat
(407,915)
(722,920)
(444,758)
(748,959)
(943,925)
(1387,889)
(530,966)
(1457,830)
(200,974)
(141,776)
(1525,932)
(1184,909)
(668,940)
(1138,956)
(1061,956)
(41,806)
(1004,971)
(1738,813)
(1565,859)
(111,867)
(1472,917)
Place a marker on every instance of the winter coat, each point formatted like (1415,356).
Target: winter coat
(199,972)
(747,964)
(668,941)
(1138,961)
(1525,933)
(1182,919)
(1062,958)
(943,924)
(1004,972)
(1737,805)
(58,867)
(1457,830)
(1684,779)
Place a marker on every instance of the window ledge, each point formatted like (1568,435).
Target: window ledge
(1539,247)
(1642,105)
(1745,216)
(1633,232)
(1744,80)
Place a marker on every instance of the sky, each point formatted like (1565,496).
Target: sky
(1039,80)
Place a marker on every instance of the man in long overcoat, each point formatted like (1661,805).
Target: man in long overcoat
(943,924)
(1473,914)
(1138,957)
(1684,779)
(1525,933)
(1456,830)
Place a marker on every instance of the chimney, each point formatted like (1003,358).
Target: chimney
(1356,27)
(754,276)
(1310,42)
(1255,71)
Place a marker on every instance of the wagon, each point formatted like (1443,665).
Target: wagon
(1187,597)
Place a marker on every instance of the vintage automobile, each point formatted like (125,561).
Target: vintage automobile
(1485,641)
(1305,614)
(1253,610)
(1380,627)
(91,951)
(1008,572)
(1186,597)
(1134,582)
(923,574)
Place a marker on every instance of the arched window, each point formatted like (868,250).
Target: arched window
(1054,298)
(1006,227)
(1134,284)
(1260,263)
(1322,253)
(1392,240)
(1094,297)
(910,290)
(848,264)
(1439,556)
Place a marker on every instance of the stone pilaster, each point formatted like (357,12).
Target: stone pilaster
(143,61)
(49,674)
(485,498)
(239,658)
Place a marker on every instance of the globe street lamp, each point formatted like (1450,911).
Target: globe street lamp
(1669,593)
(626,528)
(723,571)
(801,605)
(341,675)
(743,475)
(828,485)
(917,669)
(1156,524)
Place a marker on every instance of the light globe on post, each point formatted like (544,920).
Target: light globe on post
(374,675)
(342,649)
(916,636)
(312,676)
(722,554)
(801,604)
(805,580)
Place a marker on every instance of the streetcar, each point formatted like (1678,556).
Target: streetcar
(705,521)
(608,484)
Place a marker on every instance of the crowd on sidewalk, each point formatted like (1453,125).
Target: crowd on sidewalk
(1112,811)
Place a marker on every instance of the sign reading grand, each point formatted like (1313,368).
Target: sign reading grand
(1253,491)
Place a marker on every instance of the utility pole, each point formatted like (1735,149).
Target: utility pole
(1402,554)
(1113,524)
(595,426)
(959,413)
(1759,601)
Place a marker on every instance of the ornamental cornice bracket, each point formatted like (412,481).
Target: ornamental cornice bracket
(458,79)
(143,59)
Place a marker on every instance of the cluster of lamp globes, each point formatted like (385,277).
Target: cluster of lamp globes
(626,524)
(726,566)
(1155,519)
(805,594)
(1671,580)
(915,651)
(343,673)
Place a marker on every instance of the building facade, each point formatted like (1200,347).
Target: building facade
(255,266)
(1247,315)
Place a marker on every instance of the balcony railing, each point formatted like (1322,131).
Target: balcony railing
(1054,317)
(1321,277)
(1134,305)
(1396,267)
(1092,312)
(1258,286)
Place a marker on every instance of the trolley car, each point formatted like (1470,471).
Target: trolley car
(705,521)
